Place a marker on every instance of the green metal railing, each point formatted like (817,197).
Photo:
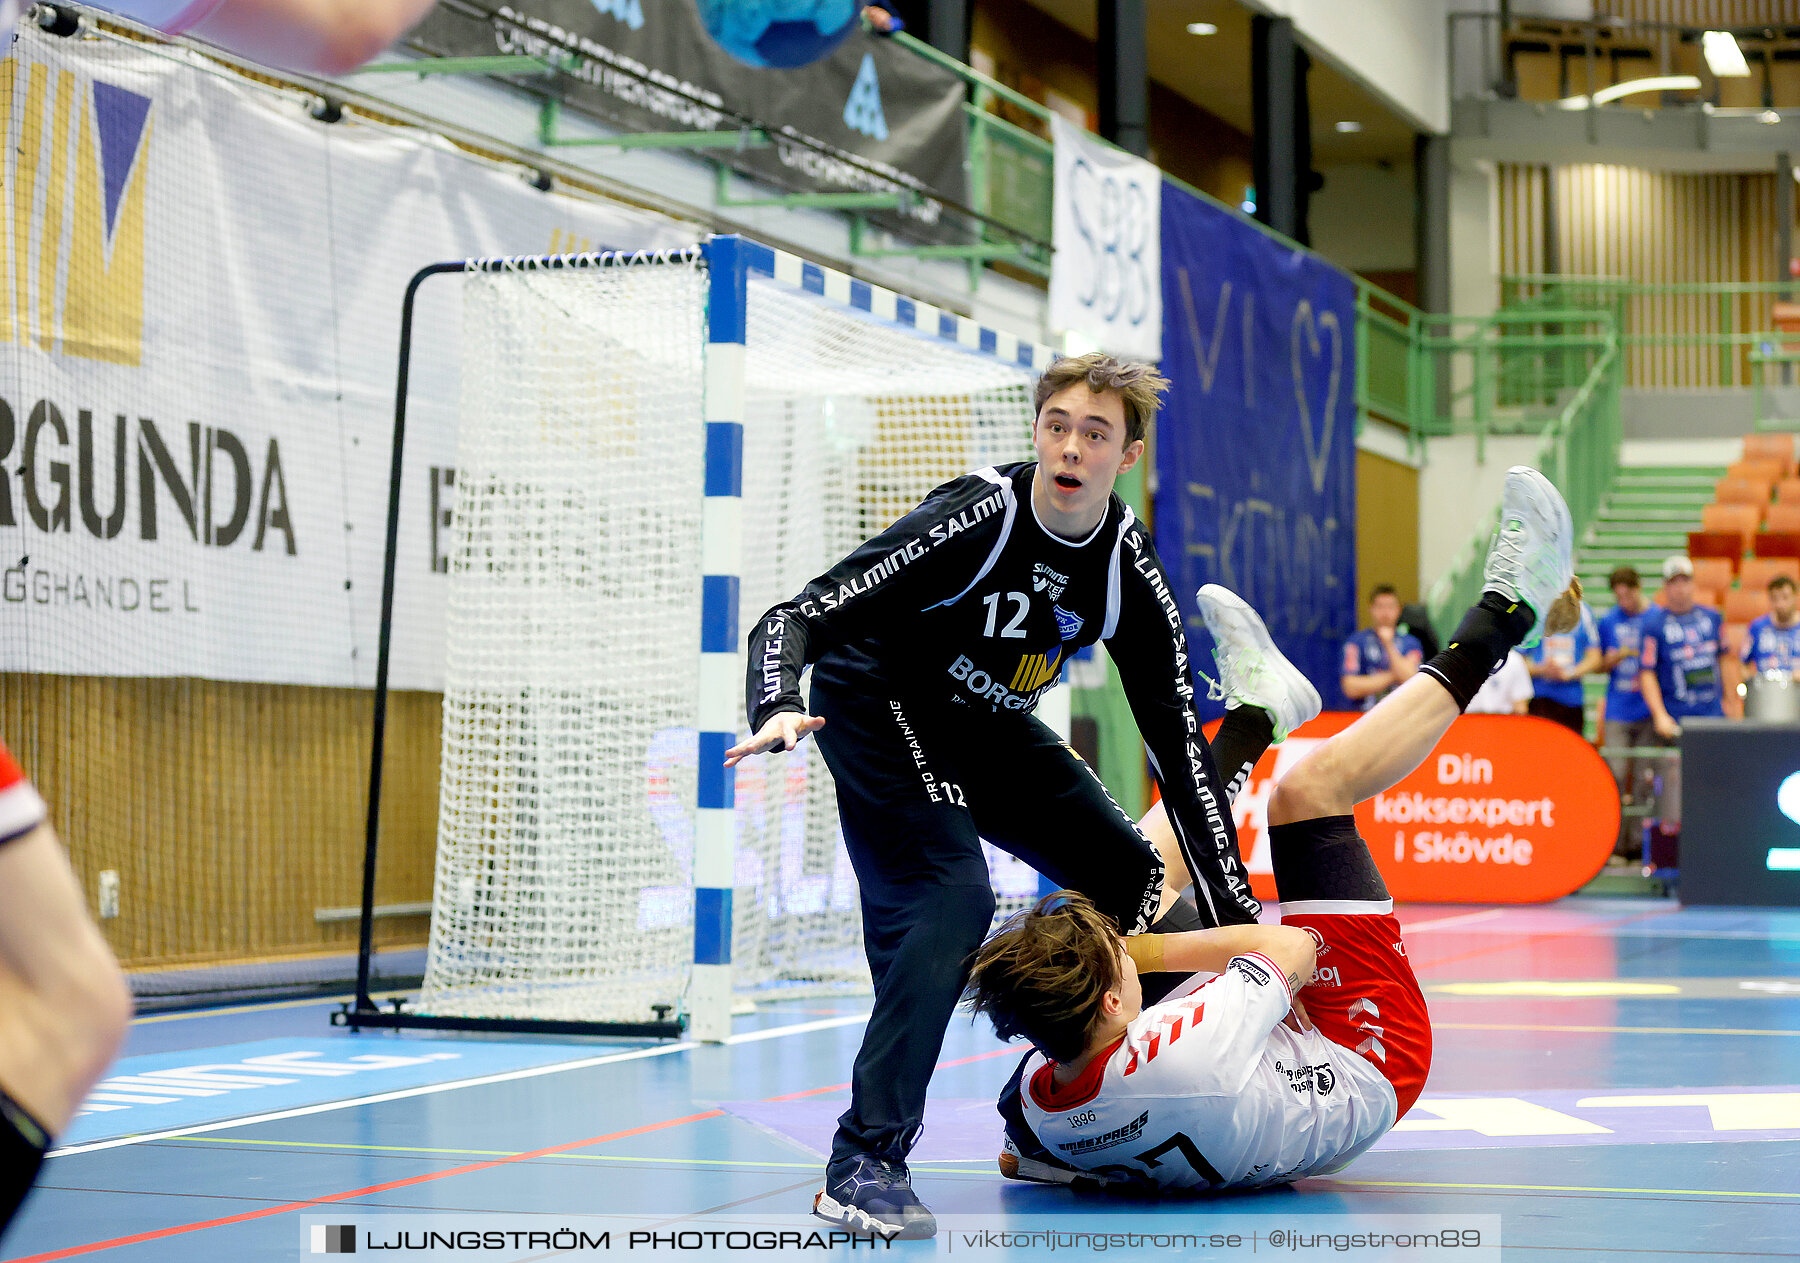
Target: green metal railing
(1578,451)
(1727,325)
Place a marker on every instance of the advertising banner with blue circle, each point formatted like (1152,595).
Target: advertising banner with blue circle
(1106,210)
(1256,443)
(844,109)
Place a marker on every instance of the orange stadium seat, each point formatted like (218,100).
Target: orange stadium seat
(1787,491)
(1736,489)
(1777,543)
(1782,517)
(1735,636)
(1760,470)
(1743,605)
(1712,572)
(1742,518)
(1725,545)
(1757,571)
(1775,447)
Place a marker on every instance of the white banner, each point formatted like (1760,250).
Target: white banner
(200,294)
(1106,280)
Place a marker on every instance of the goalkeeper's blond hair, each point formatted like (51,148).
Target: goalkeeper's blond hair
(1139,385)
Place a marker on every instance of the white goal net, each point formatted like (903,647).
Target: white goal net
(564,885)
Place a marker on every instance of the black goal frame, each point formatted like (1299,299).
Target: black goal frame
(363,1012)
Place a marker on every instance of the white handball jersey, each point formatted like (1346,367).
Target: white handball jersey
(21,810)
(1213,1091)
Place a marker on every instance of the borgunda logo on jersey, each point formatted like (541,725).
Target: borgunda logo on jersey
(1037,670)
(1046,580)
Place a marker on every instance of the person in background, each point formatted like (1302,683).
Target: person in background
(1557,664)
(1380,657)
(1773,641)
(883,18)
(1624,718)
(1507,691)
(1678,672)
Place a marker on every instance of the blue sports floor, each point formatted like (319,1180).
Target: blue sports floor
(1613,1079)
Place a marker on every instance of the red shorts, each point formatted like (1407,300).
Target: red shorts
(1363,995)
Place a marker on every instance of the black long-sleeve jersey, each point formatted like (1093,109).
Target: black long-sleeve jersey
(969,601)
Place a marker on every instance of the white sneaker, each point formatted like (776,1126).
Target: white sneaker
(1252,671)
(1529,560)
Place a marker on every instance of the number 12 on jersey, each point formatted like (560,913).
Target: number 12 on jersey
(1014,629)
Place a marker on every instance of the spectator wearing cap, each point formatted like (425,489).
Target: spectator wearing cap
(1624,719)
(1557,664)
(1678,670)
(1773,641)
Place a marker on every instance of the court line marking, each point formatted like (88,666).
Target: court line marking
(585,1157)
(427,1177)
(1527,937)
(1548,1188)
(942,1065)
(509,1076)
(1461,919)
(188,1015)
(1609,1030)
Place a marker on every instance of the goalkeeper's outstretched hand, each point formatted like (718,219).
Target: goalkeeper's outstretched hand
(786,729)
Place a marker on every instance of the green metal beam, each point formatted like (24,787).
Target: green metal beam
(984,252)
(749,138)
(501,65)
(807,201)
(971,76)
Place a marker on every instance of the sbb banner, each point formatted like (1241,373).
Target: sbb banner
(1506,809)
(1106,282)
(873,117)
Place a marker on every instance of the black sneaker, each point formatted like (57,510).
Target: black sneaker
(869,1194)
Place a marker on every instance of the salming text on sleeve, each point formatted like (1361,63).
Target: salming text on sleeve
(1150,648)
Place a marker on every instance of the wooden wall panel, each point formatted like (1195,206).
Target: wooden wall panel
(230,811)
(1387,526)
(1713,15)
(1656,227)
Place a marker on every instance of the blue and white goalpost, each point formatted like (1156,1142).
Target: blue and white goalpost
(653,449)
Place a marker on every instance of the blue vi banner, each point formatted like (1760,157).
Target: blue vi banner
(1256,444)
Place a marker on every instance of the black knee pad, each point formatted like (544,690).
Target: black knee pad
(1324,859)
(1182,915)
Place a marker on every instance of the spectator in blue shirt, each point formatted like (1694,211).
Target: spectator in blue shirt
(1624,719)
(1380,657)
(1557,665)
(1773,641)
(1678,670)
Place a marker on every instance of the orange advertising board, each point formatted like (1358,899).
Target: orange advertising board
(1506,809)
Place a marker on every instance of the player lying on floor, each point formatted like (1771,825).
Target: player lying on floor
(1264,1071)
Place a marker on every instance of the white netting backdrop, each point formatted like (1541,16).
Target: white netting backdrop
(564,874)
